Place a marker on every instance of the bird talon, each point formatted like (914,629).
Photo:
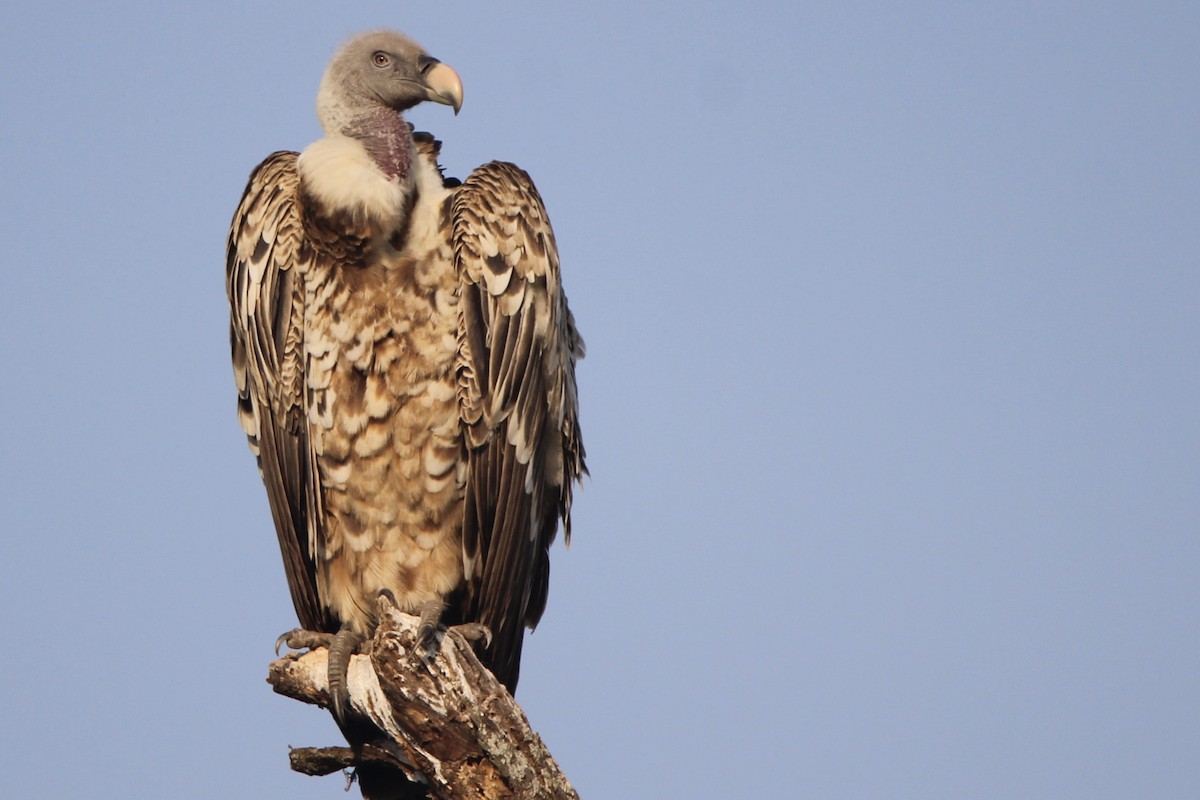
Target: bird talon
(429,639)
(300,639)
(385,600)
(474,632)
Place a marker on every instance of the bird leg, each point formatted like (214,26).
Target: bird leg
(341,645)
(431,619)
(430,628)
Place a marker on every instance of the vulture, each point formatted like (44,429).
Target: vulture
(405,364)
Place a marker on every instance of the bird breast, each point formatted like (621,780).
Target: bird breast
(381,349)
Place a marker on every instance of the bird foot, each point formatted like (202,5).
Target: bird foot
(341,645)
(430,631)
(474,632)
(300,639)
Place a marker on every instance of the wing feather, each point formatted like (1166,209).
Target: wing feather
(264,281)
(516,382)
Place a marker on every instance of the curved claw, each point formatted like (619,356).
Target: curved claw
(283,639)
(342,645)
(300,639)
(474,632)
(385,600)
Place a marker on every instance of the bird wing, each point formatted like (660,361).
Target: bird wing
(265,282)
(516,387)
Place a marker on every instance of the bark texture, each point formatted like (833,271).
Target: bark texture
(445,722)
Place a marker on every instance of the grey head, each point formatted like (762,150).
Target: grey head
(382,71)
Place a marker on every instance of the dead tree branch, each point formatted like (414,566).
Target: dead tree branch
(446,723)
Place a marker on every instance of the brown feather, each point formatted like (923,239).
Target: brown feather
(515,311)
(373,436)
(265,255)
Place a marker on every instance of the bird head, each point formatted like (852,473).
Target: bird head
(383,69)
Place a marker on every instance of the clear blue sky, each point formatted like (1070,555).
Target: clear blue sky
(891,396)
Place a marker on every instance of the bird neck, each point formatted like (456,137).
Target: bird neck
(387,138)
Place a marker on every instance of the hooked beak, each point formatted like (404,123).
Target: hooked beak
(443,85)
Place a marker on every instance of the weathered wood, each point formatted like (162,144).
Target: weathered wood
(446,722)
(318,761)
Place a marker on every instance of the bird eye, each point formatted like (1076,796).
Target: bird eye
(381,59)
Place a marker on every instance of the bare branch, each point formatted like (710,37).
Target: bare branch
(446,723)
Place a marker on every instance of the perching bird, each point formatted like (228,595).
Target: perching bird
(405,366)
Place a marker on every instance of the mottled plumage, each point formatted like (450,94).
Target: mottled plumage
(404,358)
